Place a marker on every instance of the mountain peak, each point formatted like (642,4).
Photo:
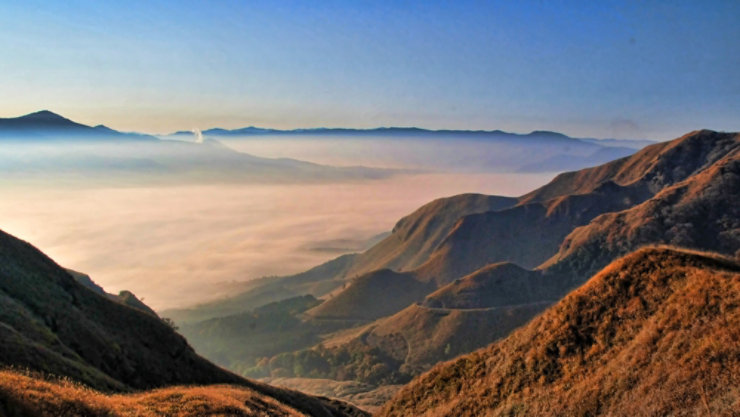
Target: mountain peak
(45,115)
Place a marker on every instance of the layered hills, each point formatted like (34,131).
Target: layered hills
(546,221)
(654,333)
(455,276)
(51,323)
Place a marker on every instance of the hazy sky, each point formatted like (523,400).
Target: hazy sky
(607,69)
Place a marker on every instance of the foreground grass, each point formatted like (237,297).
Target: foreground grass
(30,395)
(656,333)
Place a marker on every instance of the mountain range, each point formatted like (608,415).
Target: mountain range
(462,272)
(44,146)
(400,132)
(559,302)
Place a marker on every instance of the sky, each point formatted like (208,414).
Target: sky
(625,69)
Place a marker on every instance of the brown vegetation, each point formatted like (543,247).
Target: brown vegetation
(28,395)
(654,333)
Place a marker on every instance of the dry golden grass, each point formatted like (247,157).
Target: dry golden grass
(655,333)
(30,395)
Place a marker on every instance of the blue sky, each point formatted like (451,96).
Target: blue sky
(653,69)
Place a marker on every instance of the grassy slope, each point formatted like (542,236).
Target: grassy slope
(25,395)
(654,333)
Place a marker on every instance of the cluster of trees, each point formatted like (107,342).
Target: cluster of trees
(356,362)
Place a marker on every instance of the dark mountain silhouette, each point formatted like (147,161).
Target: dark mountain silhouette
(399,132)
(45,125)
(50,323)
(654,333)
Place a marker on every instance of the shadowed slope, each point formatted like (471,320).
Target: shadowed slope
(372,296)
(654,333)
(49,320)
(51,323)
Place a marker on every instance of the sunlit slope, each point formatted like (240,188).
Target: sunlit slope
(654,333)
(24,395)
(533,231)
(417,235)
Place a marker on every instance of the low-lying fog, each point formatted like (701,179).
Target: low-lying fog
(176,243)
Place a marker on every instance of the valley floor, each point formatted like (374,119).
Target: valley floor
(364,396)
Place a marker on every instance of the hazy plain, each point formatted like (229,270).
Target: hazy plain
(176,245)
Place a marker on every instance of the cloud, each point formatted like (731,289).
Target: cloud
(176,246)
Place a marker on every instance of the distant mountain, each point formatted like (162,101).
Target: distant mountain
(52,324)
(474,150)
(412,132)
(49,147)
(531,232)
(45,125)
(654,333)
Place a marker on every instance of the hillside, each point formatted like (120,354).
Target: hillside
(371,296)
(700,212)
(413,238)
(532,232)
(684,192)
(50,323)
(654,333)
(417,235)
(316,281)
(24,395)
